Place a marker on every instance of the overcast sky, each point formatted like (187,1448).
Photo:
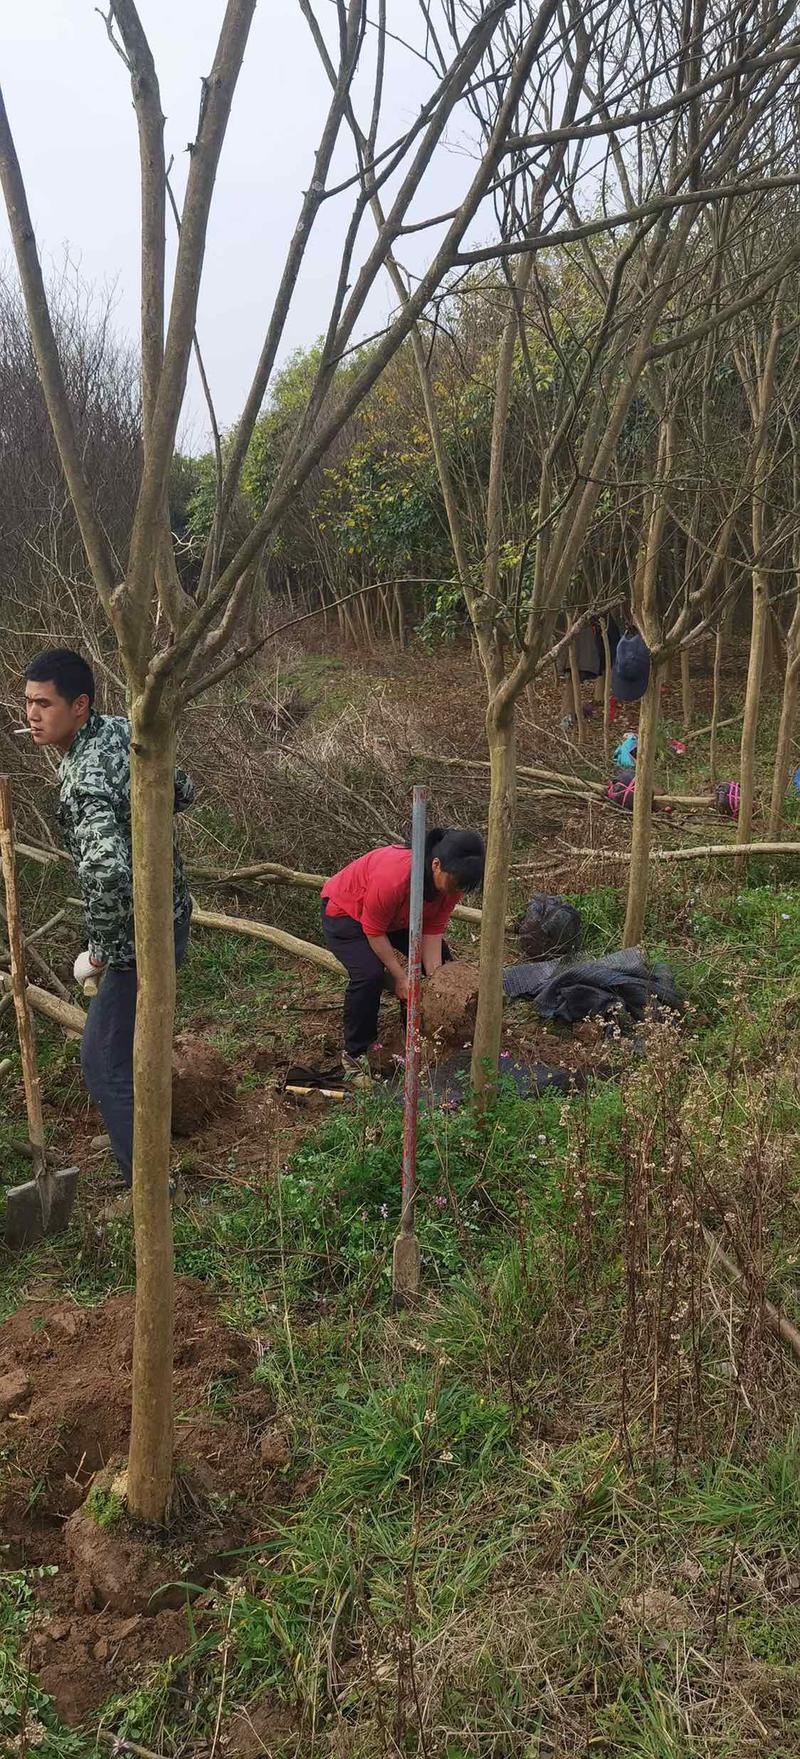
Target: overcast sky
(68,98)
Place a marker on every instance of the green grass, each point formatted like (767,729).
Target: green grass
(491,1542)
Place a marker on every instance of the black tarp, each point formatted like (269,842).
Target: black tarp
(570,990)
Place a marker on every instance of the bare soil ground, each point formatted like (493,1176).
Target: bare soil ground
(68,1421)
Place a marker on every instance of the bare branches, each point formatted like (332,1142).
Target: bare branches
(606,142)
(150,122)
(101,560)
(310,447)
(218,90)
(311,204)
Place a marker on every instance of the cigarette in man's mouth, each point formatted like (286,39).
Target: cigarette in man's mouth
(19,731)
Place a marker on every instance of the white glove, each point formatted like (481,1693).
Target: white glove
(86,967)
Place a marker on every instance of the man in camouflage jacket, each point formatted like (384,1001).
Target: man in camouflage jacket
(95,817)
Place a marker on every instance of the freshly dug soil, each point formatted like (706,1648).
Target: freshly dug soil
(450,1005)
(78,1364)
(99,1625)
(80,1660)
(583,1047)
(264,1728)
(202,1084)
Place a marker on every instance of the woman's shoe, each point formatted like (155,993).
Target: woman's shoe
(357,1072)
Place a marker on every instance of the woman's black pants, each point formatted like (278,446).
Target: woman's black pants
(368,976)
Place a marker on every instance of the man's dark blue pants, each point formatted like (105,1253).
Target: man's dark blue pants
(107,1051)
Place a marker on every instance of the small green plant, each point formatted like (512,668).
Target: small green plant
(105,1506)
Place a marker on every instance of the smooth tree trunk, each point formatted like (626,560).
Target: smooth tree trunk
(401,617)
(606,692)
(577,699)
(686,689)
(149,1484)
(642,809)
(501,733)
(752,703)
(772,653)
(719,644)
(501,737)
(783,750)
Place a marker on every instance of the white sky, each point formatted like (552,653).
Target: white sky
(68,99)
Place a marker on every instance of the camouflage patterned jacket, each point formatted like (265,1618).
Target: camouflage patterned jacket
(95,817)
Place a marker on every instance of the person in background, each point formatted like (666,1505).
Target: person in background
(365,916)
(590,656)
(94,814)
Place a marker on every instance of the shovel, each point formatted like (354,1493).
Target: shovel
(405,1255)
(43,1205)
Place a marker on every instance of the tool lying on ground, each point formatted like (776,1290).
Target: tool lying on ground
(406,1254)
(44,1204)
(302,1082)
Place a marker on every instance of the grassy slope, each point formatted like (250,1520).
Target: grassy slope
(556,1510)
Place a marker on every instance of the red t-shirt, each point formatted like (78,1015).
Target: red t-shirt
(375,890)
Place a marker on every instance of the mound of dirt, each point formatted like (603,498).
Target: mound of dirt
(77,1361)
(81,1660)
(202,1084)
(450,1004)
(99,1623)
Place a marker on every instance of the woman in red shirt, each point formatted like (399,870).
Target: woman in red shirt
(365,923)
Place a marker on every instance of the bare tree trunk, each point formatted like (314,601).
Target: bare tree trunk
(606,691)
(501,730)
(577,700)
(760,398)
(719,644)
(401,617)
(152,807)
(642,809)
(771,650)
(783,752)
(752,703)
(686,690)
(501,738)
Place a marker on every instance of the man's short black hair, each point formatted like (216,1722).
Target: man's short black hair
(69,672)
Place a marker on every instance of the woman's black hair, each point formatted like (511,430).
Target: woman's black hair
(461,853)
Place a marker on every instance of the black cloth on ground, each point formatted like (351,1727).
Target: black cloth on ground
(561,989)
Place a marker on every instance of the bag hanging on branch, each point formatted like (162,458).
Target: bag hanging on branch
(550,927)
(726,799)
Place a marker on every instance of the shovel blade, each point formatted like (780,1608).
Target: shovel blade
(24,1222)
(405,1271)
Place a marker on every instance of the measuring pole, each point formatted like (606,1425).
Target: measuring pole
(405,1257)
